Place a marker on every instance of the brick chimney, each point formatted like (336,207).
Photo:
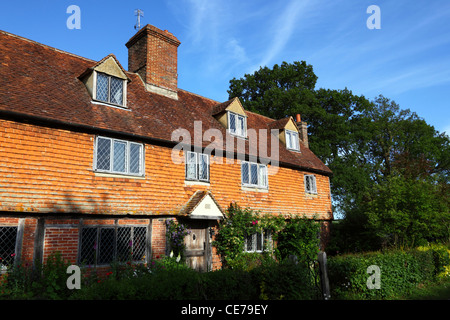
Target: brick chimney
(303,128)
(152,53)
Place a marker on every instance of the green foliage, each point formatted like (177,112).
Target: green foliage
(274,281)
(175,233)
(296,236)
(239,223)
(45,281)
(367,144)
(300,237)
(401,272)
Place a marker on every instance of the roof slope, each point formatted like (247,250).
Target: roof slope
(40,81)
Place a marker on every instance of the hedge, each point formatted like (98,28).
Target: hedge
(400,272)
(279,281)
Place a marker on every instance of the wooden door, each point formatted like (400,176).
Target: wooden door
(198,250)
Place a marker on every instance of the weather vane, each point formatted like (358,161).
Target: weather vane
(139,13)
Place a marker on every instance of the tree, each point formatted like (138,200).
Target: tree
(367,145)
(278,92)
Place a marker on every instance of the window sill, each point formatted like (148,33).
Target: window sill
(254,189)
(103,103)
(309,195)
(116,175)
(195,183)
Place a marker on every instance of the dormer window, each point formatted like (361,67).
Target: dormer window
(109,89)
(237,124)
(292,142)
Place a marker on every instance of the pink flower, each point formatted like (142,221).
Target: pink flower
(255,222)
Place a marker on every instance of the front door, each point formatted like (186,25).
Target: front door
(198,246)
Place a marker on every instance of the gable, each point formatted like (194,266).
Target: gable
(111,67)
(234,105)
(202,205)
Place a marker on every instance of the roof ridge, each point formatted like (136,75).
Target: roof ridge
(45,45)
(198,95)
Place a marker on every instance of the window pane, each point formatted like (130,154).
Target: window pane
(119,156)
(135,158)
(8,237)
(296,145)
(232,123)
(191,165)
(288,140)
(102,87)
(124,244)
(116,91)
(203,167)
(249,243)
(259,241)
(245,173)
(106,246)
(254,174)
(139,240)
(241,126)
(88,246)
(103,153)
(262,176)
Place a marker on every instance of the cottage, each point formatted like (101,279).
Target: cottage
(94,158)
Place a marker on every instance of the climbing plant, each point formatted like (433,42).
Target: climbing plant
(241,222)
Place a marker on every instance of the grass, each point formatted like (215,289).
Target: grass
(432,291)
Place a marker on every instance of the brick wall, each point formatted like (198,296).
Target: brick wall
(153,54)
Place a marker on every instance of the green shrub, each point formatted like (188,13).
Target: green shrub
(401,271)
(268,281)
(44,281)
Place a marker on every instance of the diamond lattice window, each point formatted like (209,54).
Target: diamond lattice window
(8,237)
(119,156)
(107,244)
(254,175)
(109,89)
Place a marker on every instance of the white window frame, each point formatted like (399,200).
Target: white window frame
(124,90)
(265,242)
(292,140)
(199,159)
(260,183)
(239,131)
(128,145)
(312,189)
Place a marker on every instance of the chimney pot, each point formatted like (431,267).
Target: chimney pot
(298,118)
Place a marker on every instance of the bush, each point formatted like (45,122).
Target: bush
(401,271)
(274,281)
(45,281)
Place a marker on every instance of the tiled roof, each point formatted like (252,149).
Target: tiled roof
(38,81)
(195,200)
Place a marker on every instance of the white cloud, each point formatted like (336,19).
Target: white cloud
(283,28)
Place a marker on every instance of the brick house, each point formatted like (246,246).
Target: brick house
(95,158)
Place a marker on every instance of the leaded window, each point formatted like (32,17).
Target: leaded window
(109,89)
(102,245)
(197,166)
(119,156)
(310,184)
(8,238)
(254,175)
(237,124)
(258,241)
(292,141)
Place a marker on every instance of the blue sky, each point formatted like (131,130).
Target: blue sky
(407,60)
